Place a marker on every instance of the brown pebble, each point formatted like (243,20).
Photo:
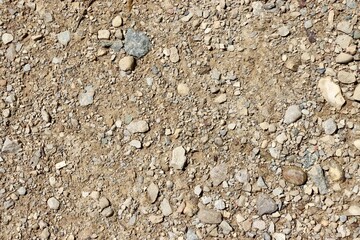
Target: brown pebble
(294,175)
(3,83)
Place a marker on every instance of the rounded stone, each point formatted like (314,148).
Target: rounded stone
(127,63)
(117,21)
(7,38)
(183,89)
(294,175)
(336,173)
(53,203)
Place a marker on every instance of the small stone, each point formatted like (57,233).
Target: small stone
(187,17)
(329,126)
(344,58)
(344,26)
(60,165)
(336,173)
(317,175)
(87,97)
(221,98)
(242,176)
(265,205)
(226,227)
(308,24)
(357,144)
(107,212)
(346,77)
(257,7)
(174,55)
(104,202)
(343,40)
(218,174)
(219,204)
(103,34)
(292,64)
(95,195)
(183,89)
(139,126)
(209,216)
(191,235)
(117,21)
(45,115)
(294,175)
(127,63)
(356,34)
(178,158)
(259,224)
(45,234)
(152,192)
(356,94)
(64,37)
(156,218)
(279,236)
(284,31)
(137,44)
(354,210)
(21,191)
(53,203)
(198,190)
(135,144)
(165,207)
(7,38)
(331,92)
(292,114)
(10,146)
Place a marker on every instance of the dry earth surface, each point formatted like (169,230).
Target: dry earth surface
(179,120)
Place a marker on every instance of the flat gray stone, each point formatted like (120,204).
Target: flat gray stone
(346,77)
(265,205)
(209,216)
(53,203)
(140,126)
(137,44)
(87,97)
(329,126)
(64,37)
(292,114)
(10,146)
(316,174)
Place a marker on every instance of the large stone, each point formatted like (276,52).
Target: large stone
(209,216)
(346,77)
(265,205)
(178,158)
(294,175)
(137,44)
(344,58)
(331,92)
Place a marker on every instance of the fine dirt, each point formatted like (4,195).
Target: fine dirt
(216,86)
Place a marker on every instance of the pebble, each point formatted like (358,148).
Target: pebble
(165,207)
(265,205)
(140,126)
(258,8)
(356,94)
(7,38)
(135,144)
(218,174)
(346,77)
(279,236)
(343,40)
(316,174)
(21,191)
(152,192)
(308,24)
(354,210)
(292,114)
(103,34)
(242,176)
(191,235)
(174,55)
(45,234)
(183,89)
(156,218)
(344,58)
(336,173)
(226,227)
(178,159)
(64,37)
(284,31)
(331,92)
(221,98)
(117,21)
(87,97)
(209,216)
(294,175)
(344,26)
(10,146)
(356,34)
(104,202)
(292,64)
(107,212)
(357,144)
(219,204)
(53,203)
(329,126)
(259,224)
(137,44)
(127,63)
(95,195)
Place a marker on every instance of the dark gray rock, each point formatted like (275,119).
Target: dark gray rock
(137,44)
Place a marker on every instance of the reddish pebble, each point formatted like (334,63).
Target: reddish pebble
(294,175)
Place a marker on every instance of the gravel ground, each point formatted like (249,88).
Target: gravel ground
(180,119)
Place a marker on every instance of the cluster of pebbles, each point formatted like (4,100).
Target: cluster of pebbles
(180,120)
